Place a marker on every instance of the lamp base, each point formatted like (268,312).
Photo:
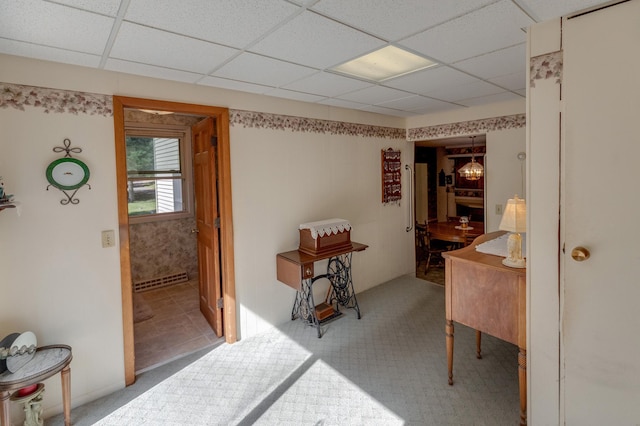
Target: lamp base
(514,263)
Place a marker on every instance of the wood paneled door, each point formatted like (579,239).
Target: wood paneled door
(206,194)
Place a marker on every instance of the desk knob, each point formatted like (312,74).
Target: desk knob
(308,272)
(580,254)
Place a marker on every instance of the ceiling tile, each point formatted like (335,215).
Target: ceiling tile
(146,45)
(235,23)
(387,111)
(393,20)
(48,24)
(327,84)
(516,81)
(29,50)
(493,27)
(544,10)
(465,91)
(233,85)
(426,81)
(482,100)
(411,103)
(105,7)
(296,96)
(374,95)
(501,62)
(342,103)
(303,2)
(315,41)
(258,69)
(151,71)
(284,48)
(440,107)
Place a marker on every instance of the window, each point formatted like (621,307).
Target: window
(158,173)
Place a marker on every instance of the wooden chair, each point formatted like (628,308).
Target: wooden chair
(421,251)
(426,247)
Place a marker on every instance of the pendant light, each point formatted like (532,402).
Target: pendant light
(472,170)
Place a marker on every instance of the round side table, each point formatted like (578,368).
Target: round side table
(48,361)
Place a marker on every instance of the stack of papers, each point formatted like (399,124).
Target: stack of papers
(498,246)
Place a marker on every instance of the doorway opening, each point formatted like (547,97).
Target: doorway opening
(213,213)
(167,320)
(442,195)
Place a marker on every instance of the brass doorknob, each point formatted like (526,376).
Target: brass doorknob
(580,253)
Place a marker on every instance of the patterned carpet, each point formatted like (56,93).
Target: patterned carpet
(389,368)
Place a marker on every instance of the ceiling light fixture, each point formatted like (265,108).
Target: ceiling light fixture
(472,170)
(384,64)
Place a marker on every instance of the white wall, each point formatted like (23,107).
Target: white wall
(505,173)
(281,179)
(498,109)
(543,175)
(58,281)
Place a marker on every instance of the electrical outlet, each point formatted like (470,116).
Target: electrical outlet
(498,208)
(108,238)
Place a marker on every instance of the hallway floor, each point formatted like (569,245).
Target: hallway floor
(176,326)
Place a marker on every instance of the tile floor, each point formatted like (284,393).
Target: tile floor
(176,328)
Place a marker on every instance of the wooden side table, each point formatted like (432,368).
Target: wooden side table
(48,360)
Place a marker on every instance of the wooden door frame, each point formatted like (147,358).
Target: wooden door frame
(221,117)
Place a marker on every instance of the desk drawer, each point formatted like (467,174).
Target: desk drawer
(292,273)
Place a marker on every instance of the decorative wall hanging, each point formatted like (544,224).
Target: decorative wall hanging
(391,176)
(68,174)
(6,200)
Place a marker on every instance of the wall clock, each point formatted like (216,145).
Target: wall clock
(67,173)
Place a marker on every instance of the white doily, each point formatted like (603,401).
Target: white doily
(326,227)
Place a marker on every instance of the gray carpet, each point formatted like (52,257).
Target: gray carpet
(389,368)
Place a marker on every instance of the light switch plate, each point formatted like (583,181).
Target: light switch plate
(108,238)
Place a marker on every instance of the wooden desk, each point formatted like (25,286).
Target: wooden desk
(446,231)
(482,293)
(296,269)
(48,360)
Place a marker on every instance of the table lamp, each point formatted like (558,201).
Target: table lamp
(514,220)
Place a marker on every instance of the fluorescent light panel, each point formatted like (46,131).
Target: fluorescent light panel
(383,64)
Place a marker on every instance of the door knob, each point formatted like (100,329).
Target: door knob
(194,231)
(580,254)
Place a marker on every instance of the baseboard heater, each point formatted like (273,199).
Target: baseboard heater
(165,281)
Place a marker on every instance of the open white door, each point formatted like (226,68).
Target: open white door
(600,368)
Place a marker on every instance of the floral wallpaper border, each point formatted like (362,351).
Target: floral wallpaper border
(53,100)
(546,66)
(60,101)
(467,127)
(311,125)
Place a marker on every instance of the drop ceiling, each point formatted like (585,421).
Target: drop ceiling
(286,48)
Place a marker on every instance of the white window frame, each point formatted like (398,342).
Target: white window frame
(183,133)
